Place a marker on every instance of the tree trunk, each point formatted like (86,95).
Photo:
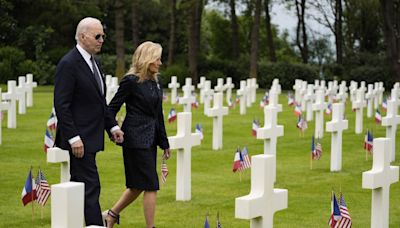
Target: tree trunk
(119,38)
(339,31)
(270,38)
(171,43)
(254,40)
(301,33)
(391,29)
(235,30)
(135,23)
(195,11)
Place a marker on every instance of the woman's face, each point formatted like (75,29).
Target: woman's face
(155,66)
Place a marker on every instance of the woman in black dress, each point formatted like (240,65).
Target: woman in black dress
(143,129)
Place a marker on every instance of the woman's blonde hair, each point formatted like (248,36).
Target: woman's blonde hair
(145,54)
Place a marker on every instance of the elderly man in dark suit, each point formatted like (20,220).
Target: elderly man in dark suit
(82,114)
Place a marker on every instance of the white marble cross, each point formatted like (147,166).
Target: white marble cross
(249,93)
(276,86)
(67,204)
(342,95)
(369,97)
(57,155)
(21,90)
(228,87)
(174,85)
(30,84)
(303,92)
(11,96)
(358,105)
(183,141)
(390,121)
(3,106)
(379,179)
(336,126)
(188,99)
(395,93)
(254,87)
(381,90)
(297,87)
(331,92)
(108,80)
(273,96)
(200,86)
(217,112)
(319,107)
(376,92)
(264,200)
(353,90)
(270,132)
(219,88)
(208,95)
(112,89)
(242,94)
(309,99)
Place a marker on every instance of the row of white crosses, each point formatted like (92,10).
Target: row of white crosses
(23,93)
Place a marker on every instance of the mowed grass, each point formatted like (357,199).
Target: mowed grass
(214,185)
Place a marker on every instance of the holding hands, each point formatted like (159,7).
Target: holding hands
(117,136)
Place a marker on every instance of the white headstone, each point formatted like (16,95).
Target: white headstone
(112,89)
(67,205)
(228,87)
(353,90)
(274,98)
(208,96)
(249,93)
(188,99)
(336,126)
(379,179)
(174,85)
(342,95)
(358,105)
(183,141)
(376,92)
(200,86)
(309,99)
(217,112)
(276,86)
(108,80)
(242,95)
(219,88)
(22,90)
(270,132)
(370,98)
(303,92)
(264,200)
(11,96)
(319,107)
(390,121)
(30,84)
(395,94)
(57,155)
(254,87)
(3,106)
(297,87)
(331,92)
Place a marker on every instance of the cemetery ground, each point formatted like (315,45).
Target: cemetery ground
(214,185)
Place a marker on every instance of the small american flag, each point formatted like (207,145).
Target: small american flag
(384,104)
(328,110)
(335,216)
(318,151)
(42,189)
(246,163)
(290,99)
(51,128)
(378,117)
(297,110)
(345,220)
(164,171)
(301,124)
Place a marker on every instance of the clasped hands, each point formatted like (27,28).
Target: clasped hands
(117,136)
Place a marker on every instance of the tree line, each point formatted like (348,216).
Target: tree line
(214,38)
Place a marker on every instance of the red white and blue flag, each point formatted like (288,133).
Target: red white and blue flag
(345,220)
(237,164)
(335,214)
(171,115)
(51,128)
(318,151)
(368,141)
(297,110)
(199,129)
(246,163)
(230,103)
(328,110)
(290,101)
(255,126)
(42,189)
(301,123)
(164,171)
(378,117)
(384,104)
(28,192)
(195,104)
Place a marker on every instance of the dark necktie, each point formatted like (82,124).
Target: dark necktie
(96,74)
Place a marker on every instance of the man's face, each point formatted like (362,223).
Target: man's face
(93,39)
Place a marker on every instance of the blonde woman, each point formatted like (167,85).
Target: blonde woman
(143,129)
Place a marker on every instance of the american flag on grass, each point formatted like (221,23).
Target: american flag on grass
(318,151)
(246,162)
(345,220)
(50,134)
(335,214)
(164,171)
(297,110)
(384,104)
(42,189)
(301,123)
(378,117)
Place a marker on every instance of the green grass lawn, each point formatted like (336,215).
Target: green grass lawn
(214,185)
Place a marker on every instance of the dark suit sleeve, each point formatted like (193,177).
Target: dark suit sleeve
(162,135)
(64,86)
(124,90)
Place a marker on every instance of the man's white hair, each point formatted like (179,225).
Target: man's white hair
(84,24)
